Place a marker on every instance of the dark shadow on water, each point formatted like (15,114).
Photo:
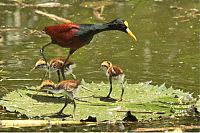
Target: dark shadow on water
(89,119)
(80,100)
(55,115)
(53,99)
(106,99)
(46,98)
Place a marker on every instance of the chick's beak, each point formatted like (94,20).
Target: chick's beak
(33,69)
(131,34)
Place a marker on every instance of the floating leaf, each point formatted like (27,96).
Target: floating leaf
(143,100)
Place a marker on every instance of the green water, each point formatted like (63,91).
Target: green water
(167,50)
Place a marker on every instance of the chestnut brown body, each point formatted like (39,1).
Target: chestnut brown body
(56,64)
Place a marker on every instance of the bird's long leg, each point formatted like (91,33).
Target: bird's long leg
(110,80)
(42,51)
(58,72)
(71,51)
(49,71)
(44,76)
(63,73)
(74,107)
(66,102)
(122,92)
(122,82)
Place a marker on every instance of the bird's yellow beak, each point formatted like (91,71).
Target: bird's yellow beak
(131,34)
(129,31)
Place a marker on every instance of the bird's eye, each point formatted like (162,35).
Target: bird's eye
(104,66)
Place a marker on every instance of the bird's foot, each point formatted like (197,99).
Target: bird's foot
(89,119)
(59,113)
(62,115)
(108,99)
(119,100)
(107,96)
(60,97)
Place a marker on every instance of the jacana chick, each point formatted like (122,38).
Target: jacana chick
(113,72)
(66,87)
(56,64)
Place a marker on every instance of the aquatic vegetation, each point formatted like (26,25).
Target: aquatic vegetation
(145,101)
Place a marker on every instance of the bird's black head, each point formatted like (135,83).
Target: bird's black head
(118,24)
(122,25)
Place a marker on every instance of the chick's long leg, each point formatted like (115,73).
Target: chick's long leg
(58,72)
(122,92)
(74,107)
(110,80)
(63,73)
(122,83)
(66,102)
(44,76)
(49,72)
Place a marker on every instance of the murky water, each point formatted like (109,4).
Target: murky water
(167,50)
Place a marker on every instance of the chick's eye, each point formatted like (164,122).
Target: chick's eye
(103,65)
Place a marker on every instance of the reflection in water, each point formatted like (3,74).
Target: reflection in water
(17,18)
(147,60)
(167,49)
(13,20)
(97,7)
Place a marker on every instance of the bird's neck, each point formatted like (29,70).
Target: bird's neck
(97,28)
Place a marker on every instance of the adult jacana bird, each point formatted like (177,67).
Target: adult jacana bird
(66,87)
(113,72)
(56,64)
(75,36)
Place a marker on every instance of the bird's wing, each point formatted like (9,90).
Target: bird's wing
(60,28)
(116,71)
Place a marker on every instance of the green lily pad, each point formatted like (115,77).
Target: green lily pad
(144,100)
